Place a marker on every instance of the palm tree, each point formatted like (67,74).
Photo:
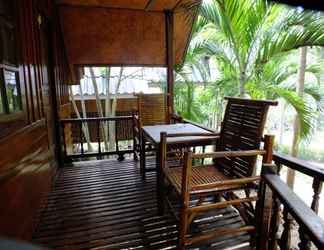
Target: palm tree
(247,38)
(300,92)
(248,34)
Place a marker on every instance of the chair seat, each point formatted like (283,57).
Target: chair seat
(200,175)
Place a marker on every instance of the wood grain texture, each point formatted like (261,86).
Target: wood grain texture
(25,179)
(27,163)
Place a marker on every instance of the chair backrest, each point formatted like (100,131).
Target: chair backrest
(152,109)
(242,129)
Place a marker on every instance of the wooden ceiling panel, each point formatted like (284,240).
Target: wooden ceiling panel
(123,34)
(160,5)
(155,5)
(115,37)
(125,4)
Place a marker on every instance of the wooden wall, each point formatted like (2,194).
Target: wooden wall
(27,139)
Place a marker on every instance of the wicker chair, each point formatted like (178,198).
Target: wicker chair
(228,178)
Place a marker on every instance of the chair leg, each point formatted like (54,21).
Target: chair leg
(183,226)
(142,159)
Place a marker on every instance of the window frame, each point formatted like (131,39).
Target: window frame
(9,20)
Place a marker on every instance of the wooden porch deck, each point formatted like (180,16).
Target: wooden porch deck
(106,205)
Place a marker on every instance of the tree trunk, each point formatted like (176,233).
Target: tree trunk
(85,128)
(114,106)
(242,83)
(84,115)
(300,92)
(107,100)
(98,102)
(282,123)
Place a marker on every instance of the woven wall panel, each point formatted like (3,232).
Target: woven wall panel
(152,109)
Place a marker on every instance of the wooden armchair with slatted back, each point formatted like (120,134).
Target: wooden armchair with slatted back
(226,180)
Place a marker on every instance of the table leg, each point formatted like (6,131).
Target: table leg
(142,156)
(159,182)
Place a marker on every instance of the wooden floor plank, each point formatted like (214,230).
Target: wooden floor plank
(106,205)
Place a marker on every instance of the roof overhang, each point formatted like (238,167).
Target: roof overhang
(128,32)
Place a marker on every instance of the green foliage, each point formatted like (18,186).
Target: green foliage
(253,43)
(305,153)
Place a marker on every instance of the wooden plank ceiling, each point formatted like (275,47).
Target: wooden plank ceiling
(127,32)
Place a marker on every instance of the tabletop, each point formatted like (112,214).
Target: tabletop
(153,132)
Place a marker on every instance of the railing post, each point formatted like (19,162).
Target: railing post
(317,187)
(285,240)
(264,209)
(274,224)
(268,147)
(134,126)
(81,137)
(64,142)
(98,138)
(304,239)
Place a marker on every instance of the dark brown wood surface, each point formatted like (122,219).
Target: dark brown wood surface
(27,163)
(106,205)
(311,224)
(299,165)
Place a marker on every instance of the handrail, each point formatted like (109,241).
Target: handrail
(97,132)
(108,118)
(308,221)
(299,165)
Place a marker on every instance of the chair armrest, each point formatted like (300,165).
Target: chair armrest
(223,154)
(176,118)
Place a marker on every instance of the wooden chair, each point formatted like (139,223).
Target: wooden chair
(228,178)
(152,109)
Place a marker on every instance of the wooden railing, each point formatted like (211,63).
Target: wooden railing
(76,133)
(277,198)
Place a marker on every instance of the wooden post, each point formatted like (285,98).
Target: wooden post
(268,147)
(169,60)
(161,159)
(185,199)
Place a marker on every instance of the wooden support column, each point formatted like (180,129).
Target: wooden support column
(170,58)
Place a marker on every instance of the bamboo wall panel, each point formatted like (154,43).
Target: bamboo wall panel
(27,163)
(110,36)
(156,5)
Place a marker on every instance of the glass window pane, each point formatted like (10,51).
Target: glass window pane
(12,90)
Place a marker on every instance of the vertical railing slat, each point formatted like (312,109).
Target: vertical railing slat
(317,188)
(98,138)
(274,223)
(64,141)
(81,137)
(285,241)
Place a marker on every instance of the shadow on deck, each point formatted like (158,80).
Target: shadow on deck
(106,205)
